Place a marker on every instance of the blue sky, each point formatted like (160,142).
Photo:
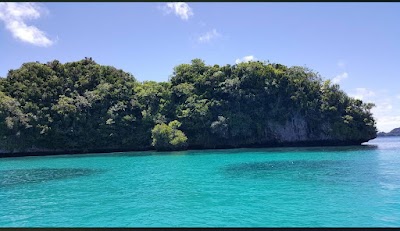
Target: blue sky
(354,44)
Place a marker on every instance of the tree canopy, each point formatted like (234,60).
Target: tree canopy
(85,106)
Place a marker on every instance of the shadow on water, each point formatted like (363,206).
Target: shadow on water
(252,150)
(334,171)
(322,149)
(274,166)
(267,150)
(26,176)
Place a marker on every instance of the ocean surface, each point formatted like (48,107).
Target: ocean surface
(356,186)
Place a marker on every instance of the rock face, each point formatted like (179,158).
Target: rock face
(293,130)
(297,131)
(394,132)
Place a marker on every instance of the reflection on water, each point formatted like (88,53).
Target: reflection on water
(385,143)
(25,176)
(325,148)
(267,150)
(240,151)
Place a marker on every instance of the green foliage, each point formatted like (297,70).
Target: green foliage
(86,106)
(168,137)
(69,106)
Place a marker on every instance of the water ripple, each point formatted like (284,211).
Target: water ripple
(39,175)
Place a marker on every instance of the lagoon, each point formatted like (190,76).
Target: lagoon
(354,186)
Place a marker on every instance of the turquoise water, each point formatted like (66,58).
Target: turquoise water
(285,187)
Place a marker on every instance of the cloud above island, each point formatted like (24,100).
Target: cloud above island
(362,93)
(386,110)
(180,9)
(245,59)
(210,35)
(15,15)
(340,77)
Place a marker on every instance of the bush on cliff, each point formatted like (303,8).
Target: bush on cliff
(168,137)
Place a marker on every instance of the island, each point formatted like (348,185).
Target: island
(85,107)
(394,132)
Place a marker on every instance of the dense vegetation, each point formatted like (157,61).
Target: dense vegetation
(84,106)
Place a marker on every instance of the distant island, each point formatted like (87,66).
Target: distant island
(394,132)
(81,107)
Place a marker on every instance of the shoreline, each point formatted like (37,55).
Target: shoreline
(327,143)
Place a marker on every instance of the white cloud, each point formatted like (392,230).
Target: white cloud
(14,16)
(362,93)
(386,106)
(209,36)
(387,109)
(245,59)
(387,123)
(180,9)
(340,77)
(387,117)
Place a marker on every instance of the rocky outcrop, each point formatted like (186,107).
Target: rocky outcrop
(293,130)
(84,107)
(297,129)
